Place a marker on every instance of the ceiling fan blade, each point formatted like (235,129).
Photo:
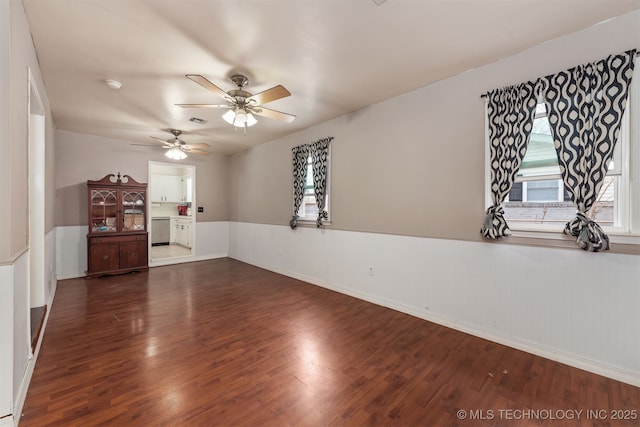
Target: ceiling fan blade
(276,92)
(206,153)
(207,85)
(199,145)
(165,142)
(204,105)
(146,145)
(273,114)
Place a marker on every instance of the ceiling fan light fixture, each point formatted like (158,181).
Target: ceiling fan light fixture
(251,120)
(239,118)
(229,116)
(176,154)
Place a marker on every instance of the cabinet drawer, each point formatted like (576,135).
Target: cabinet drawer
(117,239)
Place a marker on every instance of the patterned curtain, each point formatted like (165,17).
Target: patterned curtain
(585,105)
(300,155)
(510,112)
(319,157)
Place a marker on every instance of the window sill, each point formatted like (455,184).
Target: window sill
(620,243)
(311,223)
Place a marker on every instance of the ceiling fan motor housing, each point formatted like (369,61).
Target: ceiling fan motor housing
(239,80)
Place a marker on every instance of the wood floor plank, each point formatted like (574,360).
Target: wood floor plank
(224,343)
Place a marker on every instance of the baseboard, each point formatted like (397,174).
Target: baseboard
(26,379)
(182,260)
(7,421)
(71,275)
(588,365)
(157,263)
(210,256)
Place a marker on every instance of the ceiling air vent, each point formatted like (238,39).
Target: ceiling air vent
(197,120)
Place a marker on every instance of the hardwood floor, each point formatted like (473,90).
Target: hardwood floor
(225,343)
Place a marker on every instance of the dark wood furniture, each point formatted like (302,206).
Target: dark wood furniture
(117,238)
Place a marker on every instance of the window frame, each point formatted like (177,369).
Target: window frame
(307,220)
(626,166)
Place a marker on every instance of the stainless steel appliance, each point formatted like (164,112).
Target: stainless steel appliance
(160,231)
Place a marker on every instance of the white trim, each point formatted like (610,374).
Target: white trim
(6,338)
(26,379)
(182,260)
(36,129)
(633,208)
(627,239)
(7,421)
(150,172)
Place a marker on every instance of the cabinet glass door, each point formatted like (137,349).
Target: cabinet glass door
(133,209)
(103,211)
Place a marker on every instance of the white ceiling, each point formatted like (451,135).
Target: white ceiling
(334,56)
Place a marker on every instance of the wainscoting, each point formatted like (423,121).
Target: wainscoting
(211,240)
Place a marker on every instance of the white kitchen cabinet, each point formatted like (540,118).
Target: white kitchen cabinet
(185,233)
(187,188)
(167,188)
(180,232)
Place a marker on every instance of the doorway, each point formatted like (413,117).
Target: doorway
(172,225)
(38,293)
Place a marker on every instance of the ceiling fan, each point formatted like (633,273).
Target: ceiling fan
(177,149)
(242,104)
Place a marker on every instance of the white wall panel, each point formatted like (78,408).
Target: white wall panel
(21,321)
(6,339)
(565,304)
(212,239)
(50,266)
(71,251)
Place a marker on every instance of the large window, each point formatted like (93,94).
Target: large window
(538,200)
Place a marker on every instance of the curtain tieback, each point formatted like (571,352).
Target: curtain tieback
(492,213)
(584,219)
(294,222)
(495,227)
(588,233)
(322,216)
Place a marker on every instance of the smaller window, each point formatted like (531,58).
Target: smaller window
(309,208)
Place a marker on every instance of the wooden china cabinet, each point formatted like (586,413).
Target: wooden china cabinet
(117,238)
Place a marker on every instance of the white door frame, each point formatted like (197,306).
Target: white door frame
(152,165)
(36,176)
